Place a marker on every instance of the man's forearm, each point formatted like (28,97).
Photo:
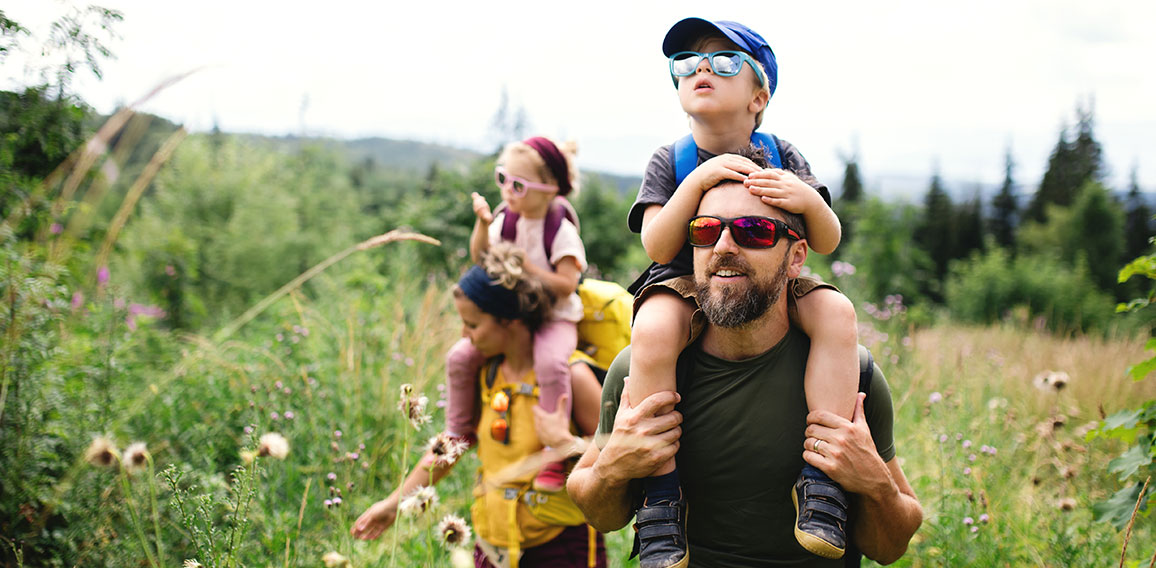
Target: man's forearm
(887,518)
(605,502)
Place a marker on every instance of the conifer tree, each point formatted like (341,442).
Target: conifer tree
(1073,163)
(936,233)
(1138,221)
(969,223)
(849,199)
(1004,207)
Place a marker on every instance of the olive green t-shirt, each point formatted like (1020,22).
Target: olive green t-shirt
(742,449)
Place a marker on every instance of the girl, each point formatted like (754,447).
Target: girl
(531,175)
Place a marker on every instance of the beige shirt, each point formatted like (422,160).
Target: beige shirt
(530,238)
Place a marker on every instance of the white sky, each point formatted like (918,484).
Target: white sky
(915,85)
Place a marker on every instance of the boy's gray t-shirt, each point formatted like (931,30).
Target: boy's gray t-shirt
(658,186)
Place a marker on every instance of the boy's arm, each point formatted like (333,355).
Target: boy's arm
(664,226)
(784,189)
(480,236)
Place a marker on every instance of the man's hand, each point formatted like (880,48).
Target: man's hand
(783,189)
(720,168)
(846,452)
(482,208)
(644,438)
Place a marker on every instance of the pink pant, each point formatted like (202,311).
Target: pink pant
(553,344)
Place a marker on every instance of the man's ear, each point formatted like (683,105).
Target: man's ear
(796,256)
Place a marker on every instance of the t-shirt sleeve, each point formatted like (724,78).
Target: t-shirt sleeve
(656,188)
(880,411)
(794,162)
(612,387)
(568,243)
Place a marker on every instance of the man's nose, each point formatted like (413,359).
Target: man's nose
(726,244)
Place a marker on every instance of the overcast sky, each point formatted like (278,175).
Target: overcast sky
(914,85)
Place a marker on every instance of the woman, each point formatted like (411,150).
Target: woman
(501,307)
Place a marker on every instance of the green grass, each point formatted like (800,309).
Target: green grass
(334,360)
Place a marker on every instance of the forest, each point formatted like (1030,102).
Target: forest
(183,295)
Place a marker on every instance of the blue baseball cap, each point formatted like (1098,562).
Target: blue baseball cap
(683,33)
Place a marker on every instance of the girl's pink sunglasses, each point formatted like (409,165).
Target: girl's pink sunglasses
(517,185)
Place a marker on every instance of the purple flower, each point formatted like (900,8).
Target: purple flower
(966,444)
(968,520)
(984,518)
(967,471)
(77,300)
(170,270)
(942,438)
(274,416)
(331,476)
(935,397)
(102,276)
(328,503)
(56,228)
(971,457)
(289,415)
(337,434)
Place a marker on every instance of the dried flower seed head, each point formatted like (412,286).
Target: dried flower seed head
(190,563)
(1066,504)
(102,452)
(136,457)
(335,560)
(420,501)
(273,445)
(454,531)
(413,407)
(446,449)
(1051,381)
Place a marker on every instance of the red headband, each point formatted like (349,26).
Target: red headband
(554,159)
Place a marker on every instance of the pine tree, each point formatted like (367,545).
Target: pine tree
(969,223)
(936,233)
(1072,164)
(849,199)
(1004,207)
(1138,221)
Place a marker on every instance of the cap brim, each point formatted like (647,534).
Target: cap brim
(681,34)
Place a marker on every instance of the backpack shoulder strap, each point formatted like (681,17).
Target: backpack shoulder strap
(683,158)
(492,371)
(770,145)
(560,209)
(509,225)
(866,370)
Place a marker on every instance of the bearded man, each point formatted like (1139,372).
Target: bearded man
(738,425)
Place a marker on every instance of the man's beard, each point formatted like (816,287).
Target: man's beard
(735,306)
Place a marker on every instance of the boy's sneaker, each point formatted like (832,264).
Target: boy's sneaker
(820,514)
(551,479)
(660,535)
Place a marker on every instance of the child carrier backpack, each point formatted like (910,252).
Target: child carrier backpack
(684,154)
(607,307)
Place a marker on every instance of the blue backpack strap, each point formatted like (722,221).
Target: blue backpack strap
(683,158)
(770,145)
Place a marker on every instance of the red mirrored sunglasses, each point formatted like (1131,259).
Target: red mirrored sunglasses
(748,232)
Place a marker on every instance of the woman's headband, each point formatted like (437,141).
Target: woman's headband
(491,297)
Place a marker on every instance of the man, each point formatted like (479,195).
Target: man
(742,432)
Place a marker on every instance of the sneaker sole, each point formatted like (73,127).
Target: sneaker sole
(812,543)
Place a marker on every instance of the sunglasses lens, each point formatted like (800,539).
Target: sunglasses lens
(754,232)
(726,63)
(500,177)
(500,402)
(499,429)
(683,64)
(704,231)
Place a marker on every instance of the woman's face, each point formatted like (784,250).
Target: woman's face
(486,332)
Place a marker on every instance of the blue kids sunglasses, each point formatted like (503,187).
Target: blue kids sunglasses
(723,63)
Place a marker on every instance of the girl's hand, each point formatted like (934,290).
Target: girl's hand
(554,427)
(375,520)
(482,208)
(783,189)
(718,169)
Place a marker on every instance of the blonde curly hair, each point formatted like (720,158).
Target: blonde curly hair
(505,263)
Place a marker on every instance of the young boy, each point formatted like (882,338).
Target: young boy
(725,74)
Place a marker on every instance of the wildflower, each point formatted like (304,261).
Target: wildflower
(984,518)
(971,458)
(974,529)
(1051,381)
(77,300)
(331,476)
(967,471)
(328,503)
(421,500)
(413,406)
(335,560)
(337,434)
(935,397)
(101,452)
(289,415)
(274,416)
(840,268)
(445,449)
(942,438)
(56,228)
(454,531)
(170,270)
(190,563)
(135,457)
(273,445)
(1066,504)
(966,444)
(337,501)
(102,276)
(968,521)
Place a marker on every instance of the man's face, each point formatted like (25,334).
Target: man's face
(738,285)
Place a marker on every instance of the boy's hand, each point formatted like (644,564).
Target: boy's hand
(783,189)
(721,167)
(482,208)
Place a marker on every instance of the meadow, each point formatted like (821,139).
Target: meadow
(993,426)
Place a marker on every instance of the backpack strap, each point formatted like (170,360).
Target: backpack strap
(492,371)
(559,209)
(684,154)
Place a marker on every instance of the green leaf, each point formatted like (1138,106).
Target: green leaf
(1137,456)
(1117,510)
(1122,419)
(1141,370)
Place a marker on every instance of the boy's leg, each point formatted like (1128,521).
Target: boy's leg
(554,342)
(463,362)
(661,328)
(831,383)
